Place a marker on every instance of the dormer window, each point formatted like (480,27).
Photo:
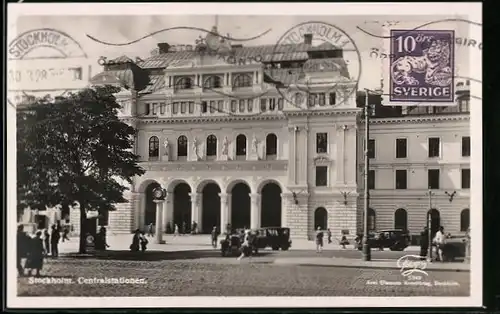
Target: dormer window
(184,83)
(212,82)
(242,80)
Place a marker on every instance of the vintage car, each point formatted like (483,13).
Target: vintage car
(394,239)
(273,237)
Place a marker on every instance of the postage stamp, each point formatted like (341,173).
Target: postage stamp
(422,65)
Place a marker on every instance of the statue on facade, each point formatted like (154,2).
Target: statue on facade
(166,145)
(195,147)
(225,146)
(254,144)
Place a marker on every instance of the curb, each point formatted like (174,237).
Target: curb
(455,270)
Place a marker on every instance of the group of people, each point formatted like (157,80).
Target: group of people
(438,242)
(319,239)
(175,229)
(139,241)
(32,250)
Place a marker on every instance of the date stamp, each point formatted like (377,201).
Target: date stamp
(422,66)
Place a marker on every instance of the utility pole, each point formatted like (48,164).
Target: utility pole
(366,246)
(429,226)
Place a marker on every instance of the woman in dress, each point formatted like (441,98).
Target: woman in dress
(36,254)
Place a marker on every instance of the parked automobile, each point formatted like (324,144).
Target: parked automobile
(394,239)
(273,237)
(231,244)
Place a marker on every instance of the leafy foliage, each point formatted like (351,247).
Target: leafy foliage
(75,149)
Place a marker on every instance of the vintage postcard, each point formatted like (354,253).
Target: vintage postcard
(199,155)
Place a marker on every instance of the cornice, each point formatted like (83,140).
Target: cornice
(418,119)
(211,119)
(232,165)
(331,112)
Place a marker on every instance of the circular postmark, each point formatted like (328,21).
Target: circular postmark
(44,61)
(320,58)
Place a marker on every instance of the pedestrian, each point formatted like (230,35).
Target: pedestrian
(329,234)
(23,246)
(319,240)
(381,241)
(184,228)
(35,255)
(144,242)
(65,233)
(54,241)
(424,243)
(150,230)
(246,246)
(440,241)
(343,241)
(46,241)
(176,230)
(214,237)
(194,227)
(101,235)
(136,240)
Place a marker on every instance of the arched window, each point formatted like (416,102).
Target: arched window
(464,220)
(182,144)
(241,145)
(401,219)
(154,147)
(372,217)
(211,146)
(271,145)
(184,83)
(320,218)
(212,82)
(435,220)
(242,80)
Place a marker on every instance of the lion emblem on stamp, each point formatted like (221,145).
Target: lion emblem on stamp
(422,67)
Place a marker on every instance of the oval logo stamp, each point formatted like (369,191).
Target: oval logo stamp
(45,61)
(320,56)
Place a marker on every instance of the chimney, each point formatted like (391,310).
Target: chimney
(308,39)
(163,47)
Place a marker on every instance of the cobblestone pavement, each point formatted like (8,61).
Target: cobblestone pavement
(213,276)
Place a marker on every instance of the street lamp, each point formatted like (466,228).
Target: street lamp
(366,246)
(429,226)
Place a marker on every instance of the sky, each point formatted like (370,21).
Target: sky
(122,29)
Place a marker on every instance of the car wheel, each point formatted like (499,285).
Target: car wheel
(275,248)
(285,248)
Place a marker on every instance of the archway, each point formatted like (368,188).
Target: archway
(464,220)
(182,207)
(271,205)
(435,220)
(320,218)
(240,206)
(211,207)
(150,210)
(401,219)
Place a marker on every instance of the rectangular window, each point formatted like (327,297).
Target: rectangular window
(401,148)
(433,178)
(154,106)
(162,108)
(434,147)
(371,180)
(371,148)
(333,98)
(147,110)
(272,104)
(204,107)
(280,104)
(466,146)
(191,106)
(250,105)
(321,143)
(321,175)
(242,105)
(175,108)
(212,106)
(401,179)
(220,106)
(321,99)
(465,178)
(263,104)
(313,100)
(183,107)
(233,105)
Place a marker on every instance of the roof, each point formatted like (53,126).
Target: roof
(156,82)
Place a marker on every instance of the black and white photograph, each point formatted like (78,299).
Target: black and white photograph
(201,154)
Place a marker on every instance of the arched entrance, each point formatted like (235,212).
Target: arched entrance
(435,220)
(270,208)
(464,220)
(240,206)
(320,218)
(401,219)
(150,210)
(211,207)
(182,207)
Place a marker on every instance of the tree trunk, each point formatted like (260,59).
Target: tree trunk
(83,229)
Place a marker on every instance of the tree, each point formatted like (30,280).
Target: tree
(75,150)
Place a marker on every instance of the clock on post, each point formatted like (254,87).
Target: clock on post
(159,194)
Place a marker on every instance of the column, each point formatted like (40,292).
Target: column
(168,211)
(195,207)
(255,211)
(158,225)
(292,156)
(340,154)
(224,211)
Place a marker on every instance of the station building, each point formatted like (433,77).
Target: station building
(269,142)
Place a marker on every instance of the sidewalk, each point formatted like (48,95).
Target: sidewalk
(374,263)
